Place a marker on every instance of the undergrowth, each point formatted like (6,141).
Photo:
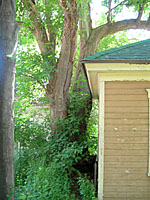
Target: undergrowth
(44,163)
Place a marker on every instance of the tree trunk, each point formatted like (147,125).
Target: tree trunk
(8,38)
(58,88)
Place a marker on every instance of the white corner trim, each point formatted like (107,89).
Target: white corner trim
(101,140)
(148,92)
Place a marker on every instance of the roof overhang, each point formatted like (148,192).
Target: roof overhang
(94,69)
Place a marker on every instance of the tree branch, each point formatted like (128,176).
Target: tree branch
(68,7)
(51,32)
(58,89)
(109,11)
(85,25)
(32,1)
(63,4)
(39,29)
(141,10)
(121,3)
(108,29)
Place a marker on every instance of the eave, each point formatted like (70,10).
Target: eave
(94,68)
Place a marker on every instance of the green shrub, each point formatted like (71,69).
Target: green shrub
(44,164)
(86,188)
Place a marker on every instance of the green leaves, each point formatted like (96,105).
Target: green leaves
(22,196)
(117,6)
(32,65)
(45,163)
(112,41)
(86,189)
(47,13)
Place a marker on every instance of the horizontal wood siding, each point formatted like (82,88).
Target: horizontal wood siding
(126,141)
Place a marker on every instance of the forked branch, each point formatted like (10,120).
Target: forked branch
(121,3)
(69,7)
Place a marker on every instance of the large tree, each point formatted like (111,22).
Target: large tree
(44,25)
(8,38)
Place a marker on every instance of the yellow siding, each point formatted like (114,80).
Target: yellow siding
(126,141)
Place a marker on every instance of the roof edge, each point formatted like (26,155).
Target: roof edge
(112,50)
(117,61)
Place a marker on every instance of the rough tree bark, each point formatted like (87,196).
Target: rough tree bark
(8,38)
(58,88)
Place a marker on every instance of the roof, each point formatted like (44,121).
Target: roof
(134,52)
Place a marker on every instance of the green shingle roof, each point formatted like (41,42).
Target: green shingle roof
(139,51)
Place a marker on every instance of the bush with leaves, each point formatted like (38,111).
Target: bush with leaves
(44,163)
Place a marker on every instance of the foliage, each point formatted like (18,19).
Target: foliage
(86,189)
(32,69)
(112,41)
(46,182)
(92,129)
(117,6)
(51,14)
(44,163)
